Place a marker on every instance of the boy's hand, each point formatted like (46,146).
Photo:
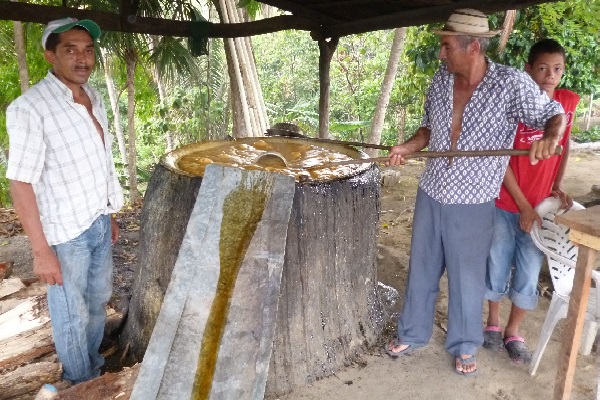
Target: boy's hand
(565,200)
(527,218)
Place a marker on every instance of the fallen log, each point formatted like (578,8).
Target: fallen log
(106,387)
(26,347)
(28,315)
(29,379)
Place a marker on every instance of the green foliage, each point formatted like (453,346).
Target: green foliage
(591,135)
(574,25)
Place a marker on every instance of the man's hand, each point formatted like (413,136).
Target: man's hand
(565,200)
(114,230)
(397,154)
(542,149)
(47,267)
(527,218)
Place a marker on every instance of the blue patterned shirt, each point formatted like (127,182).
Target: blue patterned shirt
(504,97)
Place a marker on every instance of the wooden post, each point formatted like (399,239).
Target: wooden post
(327,47)
(585,232)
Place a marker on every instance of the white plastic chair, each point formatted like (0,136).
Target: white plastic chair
(553,240)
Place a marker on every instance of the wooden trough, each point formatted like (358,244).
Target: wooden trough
(327,310)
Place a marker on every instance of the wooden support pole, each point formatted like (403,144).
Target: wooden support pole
(327,47)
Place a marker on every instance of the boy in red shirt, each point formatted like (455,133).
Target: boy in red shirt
(524,187)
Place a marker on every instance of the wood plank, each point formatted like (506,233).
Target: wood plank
(195,339)
(10,286)
(583,239)
(28,315)
(110,21)
(585,221)
(29,379)
(26,347)
(419,16)
(574,323)
(108,386)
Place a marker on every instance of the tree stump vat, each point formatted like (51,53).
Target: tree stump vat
(329,311)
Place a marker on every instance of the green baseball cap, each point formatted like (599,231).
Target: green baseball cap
(63,25)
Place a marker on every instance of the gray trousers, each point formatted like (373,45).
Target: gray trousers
(457,238)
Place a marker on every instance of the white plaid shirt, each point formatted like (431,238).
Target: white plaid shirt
(504,97)
(55,146)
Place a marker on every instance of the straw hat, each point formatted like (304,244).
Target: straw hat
(467,22)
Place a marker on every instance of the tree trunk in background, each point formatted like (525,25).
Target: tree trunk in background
(386,90)
(21,55)
(162,96)
(401,125)
(114,104)
(326,50)
(131,61)
(588,118)
(249,111)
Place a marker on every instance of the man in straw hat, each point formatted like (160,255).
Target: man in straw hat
(64,188)
(472,104)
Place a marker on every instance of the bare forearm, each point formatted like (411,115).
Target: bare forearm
(512,186)
(26,207)
(555,127)
(562,167)
(418,141)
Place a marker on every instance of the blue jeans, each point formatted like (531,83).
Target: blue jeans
(513,247)
(77,308)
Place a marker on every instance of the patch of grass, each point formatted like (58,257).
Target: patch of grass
(591,135)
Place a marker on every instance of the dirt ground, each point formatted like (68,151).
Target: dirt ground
(427,374)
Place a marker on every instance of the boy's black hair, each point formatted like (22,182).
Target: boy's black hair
(545,46)
(54,38)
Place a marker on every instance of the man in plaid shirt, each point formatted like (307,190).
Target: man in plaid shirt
(64,188)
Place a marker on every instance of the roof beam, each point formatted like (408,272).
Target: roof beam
(421,16)
(301,11)
(24,12)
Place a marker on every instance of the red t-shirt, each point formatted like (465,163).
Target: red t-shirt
(536,181)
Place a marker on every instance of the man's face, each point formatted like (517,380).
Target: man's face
(452,54)
(74,58)
(547,70)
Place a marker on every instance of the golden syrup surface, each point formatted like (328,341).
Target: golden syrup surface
(299,155)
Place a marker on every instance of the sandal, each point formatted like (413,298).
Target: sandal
(492,338)
(517,350)
(407,351)
(463,363)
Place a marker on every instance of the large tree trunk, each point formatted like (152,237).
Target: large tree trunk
(386,90)
(169,197)
(329,310)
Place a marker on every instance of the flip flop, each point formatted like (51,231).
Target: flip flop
(492,338)
(463,363)
(517,350)
(407,351)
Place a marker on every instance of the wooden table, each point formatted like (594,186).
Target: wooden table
(585,232)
